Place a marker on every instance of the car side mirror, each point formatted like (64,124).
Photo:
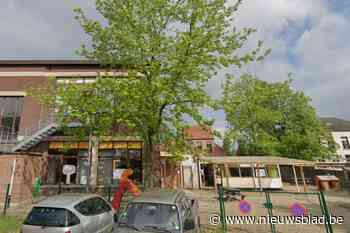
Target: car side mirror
(189,224)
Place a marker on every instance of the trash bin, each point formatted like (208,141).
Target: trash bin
(327,182)
(324,185)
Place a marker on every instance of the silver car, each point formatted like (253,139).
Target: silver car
(162,210)
(70,213)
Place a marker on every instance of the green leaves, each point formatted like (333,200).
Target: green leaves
(272,119)
(171,48)
(177,46)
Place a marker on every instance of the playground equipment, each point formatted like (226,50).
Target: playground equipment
(125,184)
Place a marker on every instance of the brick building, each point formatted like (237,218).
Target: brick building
(201,138)
(28,127)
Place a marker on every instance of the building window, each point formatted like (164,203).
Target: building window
(246,172)
(197,145)
(210,147)
(345,142)
(347,157)
(234,171)
(10,115)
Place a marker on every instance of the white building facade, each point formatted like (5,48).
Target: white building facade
(341,134)
(342,138)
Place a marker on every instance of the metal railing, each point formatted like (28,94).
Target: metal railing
(8,136)
(275,203)
(39,125)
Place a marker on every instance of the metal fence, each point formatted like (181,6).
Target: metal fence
(14,200)
(274,211)
(11,136)
(7,135)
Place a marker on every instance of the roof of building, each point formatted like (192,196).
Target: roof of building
(218,150)
(198,132)
(49,62)
(266,160)
(336,124)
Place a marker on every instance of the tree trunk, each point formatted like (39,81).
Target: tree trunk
(151,165)
(93,156)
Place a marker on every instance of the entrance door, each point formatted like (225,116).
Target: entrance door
(188,177)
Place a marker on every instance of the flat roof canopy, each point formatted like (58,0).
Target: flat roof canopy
(266,160)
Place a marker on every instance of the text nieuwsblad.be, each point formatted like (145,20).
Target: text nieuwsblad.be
(278,220)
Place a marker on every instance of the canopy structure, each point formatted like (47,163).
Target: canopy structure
(256,161)
(266,160)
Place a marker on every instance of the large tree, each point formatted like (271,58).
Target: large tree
(170,48)
(273,119)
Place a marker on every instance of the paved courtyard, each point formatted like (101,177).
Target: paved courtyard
(338,203)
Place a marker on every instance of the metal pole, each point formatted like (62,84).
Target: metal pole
(214,176)
(296,179)
(303,177)
(269,209)
(323,212)
(221,176)
(259,178)
(6,198)
(227,173)
(199,175)
(253,175)
(222,209)
(1,134)
(326,212)
(60,174)
(11,182)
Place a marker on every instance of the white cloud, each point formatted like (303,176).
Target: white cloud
(46,29)
(309,39)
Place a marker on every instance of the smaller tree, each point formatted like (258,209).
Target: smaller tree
(83,111)
(272,119)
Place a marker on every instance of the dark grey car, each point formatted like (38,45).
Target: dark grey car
(162,210)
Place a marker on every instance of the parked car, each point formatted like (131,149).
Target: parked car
(162,210)
(70,213)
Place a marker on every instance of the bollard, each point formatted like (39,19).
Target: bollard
(222,209)
(7,199)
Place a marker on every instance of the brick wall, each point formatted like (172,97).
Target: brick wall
(32,111)
(27,168)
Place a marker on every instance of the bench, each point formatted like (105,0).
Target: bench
(233,194)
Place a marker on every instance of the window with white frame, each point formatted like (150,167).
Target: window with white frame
(347,157)
(345,142)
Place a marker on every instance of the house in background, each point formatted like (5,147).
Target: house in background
(201,138)
(341,134)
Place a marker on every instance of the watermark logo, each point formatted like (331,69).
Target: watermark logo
(214,219)
(297,209)
(244,206)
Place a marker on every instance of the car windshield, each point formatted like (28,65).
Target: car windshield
(151,216)
(44,216)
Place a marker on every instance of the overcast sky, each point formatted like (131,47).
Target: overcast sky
(309,38)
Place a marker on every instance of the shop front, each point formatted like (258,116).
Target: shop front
(112,156)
